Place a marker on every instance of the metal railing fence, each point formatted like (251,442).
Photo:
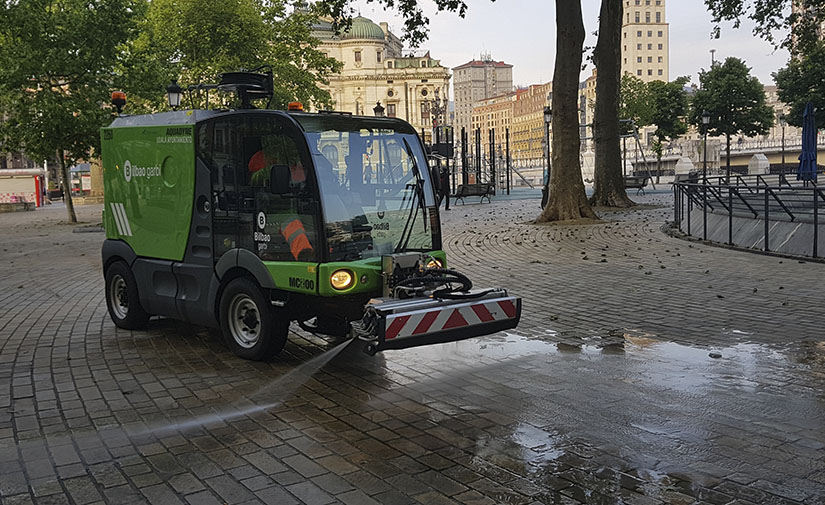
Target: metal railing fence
(770,198)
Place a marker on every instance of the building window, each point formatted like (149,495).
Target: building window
(650,33)
(639,33)
(650,59)
(638,72)
(423,63)
(660,47)
(650,47)
(425,111)
(357,56)
(660,71)
(638,59)
(660,33)
(639,47)
(647,17)
(390,110)
(658,17)
(390,93)
(637,17)
(650,71)
(660,59)
(389,64)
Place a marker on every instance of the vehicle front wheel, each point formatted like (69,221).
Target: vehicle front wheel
(252,328)
(122,298)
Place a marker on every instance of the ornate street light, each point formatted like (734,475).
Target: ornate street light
(783,121)
(548,118)
(705,123)
(378,110)
(173,92)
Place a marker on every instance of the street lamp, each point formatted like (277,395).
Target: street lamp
(378,110)
(173,92)
(548,118)
(783,122)
(705,123)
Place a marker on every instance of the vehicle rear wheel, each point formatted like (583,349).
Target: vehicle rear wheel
(122,298)
(252,328)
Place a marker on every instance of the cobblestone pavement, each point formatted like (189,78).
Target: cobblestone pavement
(606,393)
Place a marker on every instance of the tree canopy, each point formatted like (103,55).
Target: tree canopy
(58,60)
(801,20)
(734,99)
(803,81)
(668,108)
(195,42)
(634,100)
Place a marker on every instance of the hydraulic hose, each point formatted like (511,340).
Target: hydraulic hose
(435,277)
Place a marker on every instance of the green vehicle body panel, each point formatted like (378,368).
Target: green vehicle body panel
(148,181)
(149,190)
(313,278)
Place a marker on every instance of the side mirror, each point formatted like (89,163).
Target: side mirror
(279,177)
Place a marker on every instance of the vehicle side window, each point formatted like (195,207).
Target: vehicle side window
(242,151)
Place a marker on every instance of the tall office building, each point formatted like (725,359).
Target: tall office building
(475,81)
(645,40)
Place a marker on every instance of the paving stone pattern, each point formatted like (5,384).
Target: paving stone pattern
(606,393)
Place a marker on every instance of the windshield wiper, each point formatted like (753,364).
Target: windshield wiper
(416,201)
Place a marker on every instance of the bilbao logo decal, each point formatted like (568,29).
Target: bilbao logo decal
(127,170)
(261,220)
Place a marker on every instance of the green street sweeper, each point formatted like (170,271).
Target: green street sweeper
(249,219)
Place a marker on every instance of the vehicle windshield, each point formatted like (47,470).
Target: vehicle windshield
(374,185)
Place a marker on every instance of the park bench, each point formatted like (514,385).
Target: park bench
(635,182)
(483,190)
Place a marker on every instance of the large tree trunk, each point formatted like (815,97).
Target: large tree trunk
(608,185)
(66,186)
(567,197)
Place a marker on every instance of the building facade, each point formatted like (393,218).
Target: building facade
(645,40)
(477,80)
(375,70)
(527,135)
(494,113)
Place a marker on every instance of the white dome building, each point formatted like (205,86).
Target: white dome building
(376,71)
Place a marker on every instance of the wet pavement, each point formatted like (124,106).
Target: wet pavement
(646,370)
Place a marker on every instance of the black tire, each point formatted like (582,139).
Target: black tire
(122,298)
(252,328)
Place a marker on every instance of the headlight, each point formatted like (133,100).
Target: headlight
(341,279)
(434,263)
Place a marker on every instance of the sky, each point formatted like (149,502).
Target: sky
(522,33)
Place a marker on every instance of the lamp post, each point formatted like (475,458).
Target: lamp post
(378,110)
(783,122)
(548,118)
(705,123)
(173,92)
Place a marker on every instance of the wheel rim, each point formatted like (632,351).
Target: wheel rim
(118,297)
(244,321)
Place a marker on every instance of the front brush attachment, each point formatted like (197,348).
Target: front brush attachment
(392,323)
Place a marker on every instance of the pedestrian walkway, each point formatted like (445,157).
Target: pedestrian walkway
(646,370)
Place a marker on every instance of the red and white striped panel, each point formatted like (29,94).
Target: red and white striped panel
(454,316)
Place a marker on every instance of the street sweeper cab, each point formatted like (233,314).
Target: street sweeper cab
(250,219)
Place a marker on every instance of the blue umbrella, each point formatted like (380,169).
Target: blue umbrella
(807,160)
